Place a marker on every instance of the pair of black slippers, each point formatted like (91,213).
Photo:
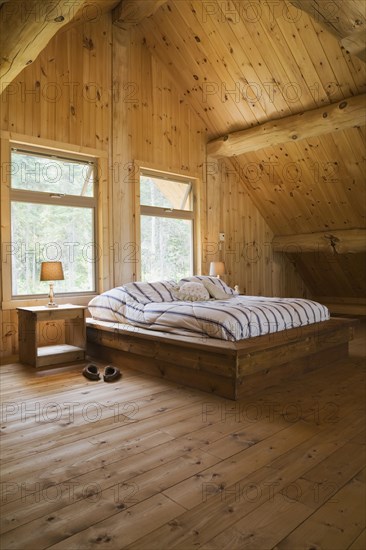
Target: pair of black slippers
(110,373)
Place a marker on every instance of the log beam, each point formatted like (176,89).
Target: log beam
(26,27)
(348,113)
(339,241)
(131,12)
(345,20)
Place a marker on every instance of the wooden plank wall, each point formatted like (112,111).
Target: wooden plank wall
(154,124)
(247,250)
(242,64)
(65,96)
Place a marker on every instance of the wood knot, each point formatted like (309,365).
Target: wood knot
(343,105)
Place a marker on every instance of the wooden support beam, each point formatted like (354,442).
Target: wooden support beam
(339,241)
(348,113)
(26,27)
(344,19)
(131,12)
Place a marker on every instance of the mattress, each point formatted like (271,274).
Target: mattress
(235,318)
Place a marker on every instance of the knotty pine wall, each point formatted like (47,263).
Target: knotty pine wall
(65,97)
(142,119)
(155,126)
(247,252)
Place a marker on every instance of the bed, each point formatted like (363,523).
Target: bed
(200,333)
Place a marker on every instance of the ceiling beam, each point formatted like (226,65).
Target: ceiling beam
(344,19)
(348,113)
(131,12)
(339,241)
(26,27)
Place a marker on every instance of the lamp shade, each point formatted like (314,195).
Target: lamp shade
(51,271)
(217,269)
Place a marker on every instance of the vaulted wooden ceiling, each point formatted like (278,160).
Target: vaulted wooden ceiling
(242,64)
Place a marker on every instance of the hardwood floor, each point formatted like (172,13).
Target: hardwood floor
(147,464)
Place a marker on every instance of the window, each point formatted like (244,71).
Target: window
(53,211)
(167,227)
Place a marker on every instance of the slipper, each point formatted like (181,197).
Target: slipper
(111,374)
(91,372)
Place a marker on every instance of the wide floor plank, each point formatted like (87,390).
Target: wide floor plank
(148,464)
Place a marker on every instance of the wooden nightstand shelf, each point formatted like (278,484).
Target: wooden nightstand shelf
(75,336)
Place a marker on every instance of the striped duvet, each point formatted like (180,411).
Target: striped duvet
(153,306)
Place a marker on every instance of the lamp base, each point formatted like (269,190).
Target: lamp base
(51,303)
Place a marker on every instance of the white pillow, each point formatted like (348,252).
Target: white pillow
(214,280)
(215,291)
(192,292)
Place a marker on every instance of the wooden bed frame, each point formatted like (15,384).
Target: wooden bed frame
(228,369)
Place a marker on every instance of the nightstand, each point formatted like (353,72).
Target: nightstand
(75,335)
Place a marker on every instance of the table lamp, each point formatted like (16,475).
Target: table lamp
(217,269)
(51,271)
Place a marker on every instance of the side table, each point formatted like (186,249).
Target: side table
(74,347)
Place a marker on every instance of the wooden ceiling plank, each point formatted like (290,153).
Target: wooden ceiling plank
(348,169)
(319,200)
(280,77)
(307,197)
(273,47)
(164,38)
(153,38)
(349,150)
(328,195)
(301,205)
(322,59)
(210,50)
(347,79)
(341,76)
(306,49)
(338,21)
(346,114)
(347,145)
(356,137)
(256,193)
(236,67)
(129,13)
(253,66)
(355,44)
(222,70)
(260,187)
(344,20)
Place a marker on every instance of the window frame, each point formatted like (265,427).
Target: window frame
(101,235)
(161,212)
